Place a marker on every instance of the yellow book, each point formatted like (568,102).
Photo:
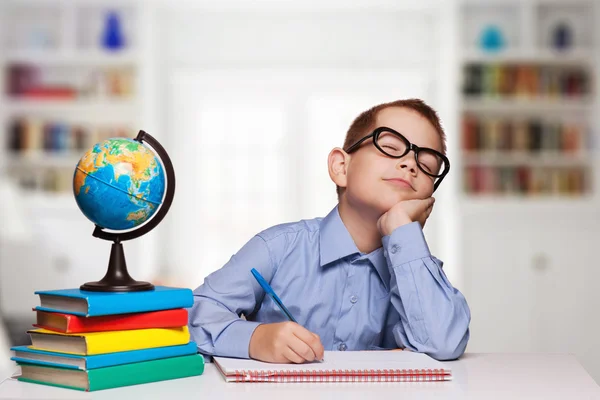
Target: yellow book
(107,342)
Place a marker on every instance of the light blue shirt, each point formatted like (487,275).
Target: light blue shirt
(394,297)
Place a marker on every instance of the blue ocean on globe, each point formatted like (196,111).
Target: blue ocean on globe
(119,184)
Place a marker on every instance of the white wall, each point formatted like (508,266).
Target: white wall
(315,70)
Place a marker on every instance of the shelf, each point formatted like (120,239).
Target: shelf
(72,109)
(46,159)
(511,158)
(526,105)
(534,56)
(74,58)
(68,103)
(554,204)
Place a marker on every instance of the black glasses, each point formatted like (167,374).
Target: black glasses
(394,145)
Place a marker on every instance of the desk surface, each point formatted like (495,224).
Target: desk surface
(476,376)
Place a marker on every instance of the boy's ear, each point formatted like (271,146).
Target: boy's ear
(338,164)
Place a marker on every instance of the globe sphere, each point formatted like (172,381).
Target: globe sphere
(119,184)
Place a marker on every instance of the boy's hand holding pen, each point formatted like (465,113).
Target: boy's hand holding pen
(283,342)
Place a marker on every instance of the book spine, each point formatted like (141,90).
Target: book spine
(146,372)
(110,305)
(135,356)
(146,320)
(115,341)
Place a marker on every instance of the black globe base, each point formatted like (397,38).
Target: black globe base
(133,286)
(117,279)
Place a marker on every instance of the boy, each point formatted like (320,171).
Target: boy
(362,278)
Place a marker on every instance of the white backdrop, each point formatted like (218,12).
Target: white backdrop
(253,151)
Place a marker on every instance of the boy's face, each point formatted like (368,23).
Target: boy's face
(378,181)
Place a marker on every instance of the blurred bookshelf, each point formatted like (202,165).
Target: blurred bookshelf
(70,79)
(528,73)
(72,75)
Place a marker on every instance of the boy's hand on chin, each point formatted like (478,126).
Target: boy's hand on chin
(405,212)
(285,342)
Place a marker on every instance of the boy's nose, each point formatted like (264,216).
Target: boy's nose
(408,162)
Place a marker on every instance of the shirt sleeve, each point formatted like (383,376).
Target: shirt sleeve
(433,316)
(215,321)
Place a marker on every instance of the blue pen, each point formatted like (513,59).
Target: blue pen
(269,290)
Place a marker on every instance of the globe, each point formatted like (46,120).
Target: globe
(119,184)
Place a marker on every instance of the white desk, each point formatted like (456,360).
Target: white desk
(476,376)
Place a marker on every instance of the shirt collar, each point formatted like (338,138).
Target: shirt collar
(336,243)
(377,258)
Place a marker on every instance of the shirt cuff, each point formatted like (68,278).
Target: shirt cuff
(235,340)
(405,244)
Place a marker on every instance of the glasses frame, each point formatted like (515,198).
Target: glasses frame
(409,147)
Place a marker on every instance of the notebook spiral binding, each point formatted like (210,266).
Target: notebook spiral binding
(348,375)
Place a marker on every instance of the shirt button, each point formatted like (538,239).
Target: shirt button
(342,347)
(353,299)
(395,248)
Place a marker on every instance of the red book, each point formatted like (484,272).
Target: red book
(56,93)
(68,323)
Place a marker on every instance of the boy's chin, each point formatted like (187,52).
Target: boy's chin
(394,198)
(381,204)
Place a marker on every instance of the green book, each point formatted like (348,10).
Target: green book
(117,376)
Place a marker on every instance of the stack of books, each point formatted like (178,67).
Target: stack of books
(99,340)
(526,80)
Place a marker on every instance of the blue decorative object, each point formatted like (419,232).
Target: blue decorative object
(492,38)
(112,37)
(562,37)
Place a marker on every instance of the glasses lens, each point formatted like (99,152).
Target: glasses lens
(431,162)
(391,144)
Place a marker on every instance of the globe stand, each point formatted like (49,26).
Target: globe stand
(117,279)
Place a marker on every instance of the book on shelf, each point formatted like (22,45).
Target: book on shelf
(505,134)
(525,180)
(30,81)
(525,81)
(28,134)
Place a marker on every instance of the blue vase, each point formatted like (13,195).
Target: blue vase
(492,39)
(562,37)
(112,36)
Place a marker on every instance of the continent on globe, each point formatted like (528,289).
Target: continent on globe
(119,184)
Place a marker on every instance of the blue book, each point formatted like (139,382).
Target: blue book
(23,354)
(92,304)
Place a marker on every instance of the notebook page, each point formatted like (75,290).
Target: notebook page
(340,360)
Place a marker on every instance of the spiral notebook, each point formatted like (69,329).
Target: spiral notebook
(340,366)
